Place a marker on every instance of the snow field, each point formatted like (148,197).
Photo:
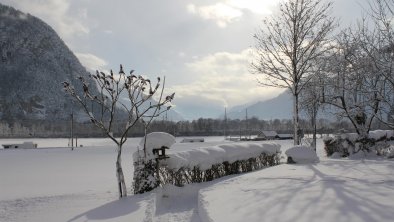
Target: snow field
(57,184)
(333,190)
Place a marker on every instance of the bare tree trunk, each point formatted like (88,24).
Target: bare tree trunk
(314,116)
(120,175)
(296,119)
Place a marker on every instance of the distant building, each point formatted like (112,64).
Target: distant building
(25,145)
(285,136)
(267,135)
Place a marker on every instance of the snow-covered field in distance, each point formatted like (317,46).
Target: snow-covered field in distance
(57,184)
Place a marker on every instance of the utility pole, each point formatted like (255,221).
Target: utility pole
(72,131)
(225,122)
(247,125)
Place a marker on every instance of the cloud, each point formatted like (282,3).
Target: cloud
(224,77)
(221,13)
(229,11)
(56,13)
(91,61)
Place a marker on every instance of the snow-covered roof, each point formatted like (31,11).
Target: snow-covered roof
(156,140)
(269,133)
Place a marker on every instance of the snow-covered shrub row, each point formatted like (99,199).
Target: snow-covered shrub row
(199,165)
(302,154)
(209,163)
(205,157)
(348,144)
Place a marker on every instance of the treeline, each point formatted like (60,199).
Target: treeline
(199,127)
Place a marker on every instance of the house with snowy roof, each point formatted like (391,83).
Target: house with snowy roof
(267,135)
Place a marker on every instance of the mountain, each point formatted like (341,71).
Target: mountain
(279,107)
(34,61)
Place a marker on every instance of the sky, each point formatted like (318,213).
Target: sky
(203,48)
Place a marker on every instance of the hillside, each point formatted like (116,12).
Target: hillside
(34,62)
(279,107)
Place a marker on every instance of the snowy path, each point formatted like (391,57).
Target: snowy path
(174,204)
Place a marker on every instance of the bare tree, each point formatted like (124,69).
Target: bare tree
(116,95)
(379,45)
(289,44)
(311,100)
(355,84)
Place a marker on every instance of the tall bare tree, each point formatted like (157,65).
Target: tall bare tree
(311,100)
(354,83)
(379,45)
(289,44)
(106,101)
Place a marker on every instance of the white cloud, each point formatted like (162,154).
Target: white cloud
(255,6)
(224,77)
(221,13)
(91,61)
(229,11)
(56,13)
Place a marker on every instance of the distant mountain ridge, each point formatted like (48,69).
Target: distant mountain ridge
(279,107)
(34,62)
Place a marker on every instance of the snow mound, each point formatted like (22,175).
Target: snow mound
(205,157)
(375,134)
(390,152)
(302,154)
(156,140)
(378,134)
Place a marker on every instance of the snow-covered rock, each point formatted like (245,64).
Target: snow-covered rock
(302,154)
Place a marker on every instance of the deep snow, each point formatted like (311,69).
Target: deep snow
(57,184)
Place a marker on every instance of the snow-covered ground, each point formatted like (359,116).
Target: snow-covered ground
(57,184)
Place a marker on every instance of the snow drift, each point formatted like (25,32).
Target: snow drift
(302,154)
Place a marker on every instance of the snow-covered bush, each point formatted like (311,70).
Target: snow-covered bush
(146,161)
(200,165)
(145,178)
(349,144)
(209,163)
(302,154)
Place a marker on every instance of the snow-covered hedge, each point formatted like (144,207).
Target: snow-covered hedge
(302,154)
(202,164)
(348,144)
(205,157)
(145,163)
(209,163)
